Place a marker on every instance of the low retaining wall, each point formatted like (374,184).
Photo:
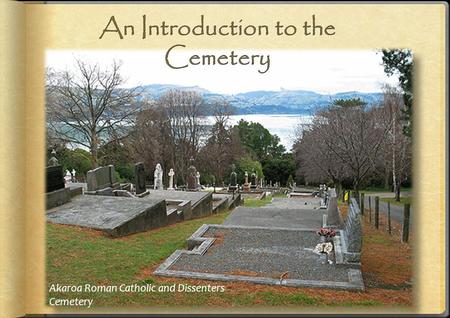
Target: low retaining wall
(57,197)
(202,208)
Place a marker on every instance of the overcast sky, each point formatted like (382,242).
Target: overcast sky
(323,71)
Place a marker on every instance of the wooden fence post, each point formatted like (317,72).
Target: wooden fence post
(377,212)
(361,203)
(405,232)
(389,217)
(370,209)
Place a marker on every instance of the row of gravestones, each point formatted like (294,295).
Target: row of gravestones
(352,228)
(233,180)
(193,178)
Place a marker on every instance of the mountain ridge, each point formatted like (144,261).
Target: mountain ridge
(267,101)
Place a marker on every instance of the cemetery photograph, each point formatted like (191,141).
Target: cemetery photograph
(220,186)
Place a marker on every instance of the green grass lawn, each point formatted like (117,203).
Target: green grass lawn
(78,256)
(255,203)
(378,189)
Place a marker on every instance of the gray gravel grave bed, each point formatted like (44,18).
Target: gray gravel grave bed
(262,253)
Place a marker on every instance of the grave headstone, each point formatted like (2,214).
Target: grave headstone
(139,178)
(192,178)
(253,180)
(54,178)
(56,192)
(332,209)
(246,184)
(101,178)
(233,179)
(112,175)
(353,233)
(171,174)
(158,178)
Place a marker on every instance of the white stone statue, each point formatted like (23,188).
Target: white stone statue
(73,175)
(246,177)
(158,178)
(68,176)
(171,174)
(197,177)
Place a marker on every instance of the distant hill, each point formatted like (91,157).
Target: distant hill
(267,102)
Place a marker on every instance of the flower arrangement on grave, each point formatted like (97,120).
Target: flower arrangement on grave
(327,233)
(324,248)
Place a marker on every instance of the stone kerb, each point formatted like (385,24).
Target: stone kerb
(198,245)
(352,234)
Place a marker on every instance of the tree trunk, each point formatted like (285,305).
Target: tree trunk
(387,176)
(356,192)
(397,193)
(394,172)
(94,152)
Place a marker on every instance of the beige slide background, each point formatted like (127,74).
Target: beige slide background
(29,29)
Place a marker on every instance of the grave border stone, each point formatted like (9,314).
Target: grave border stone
(198,245)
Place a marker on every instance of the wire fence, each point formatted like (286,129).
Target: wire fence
(380,216)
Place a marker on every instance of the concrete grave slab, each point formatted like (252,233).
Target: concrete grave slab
(116,216)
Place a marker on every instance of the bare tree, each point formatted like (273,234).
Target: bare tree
(345,139)
(184,128)
(398,145)
(223,145)
(87,106)
(315,161)
(145,142)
